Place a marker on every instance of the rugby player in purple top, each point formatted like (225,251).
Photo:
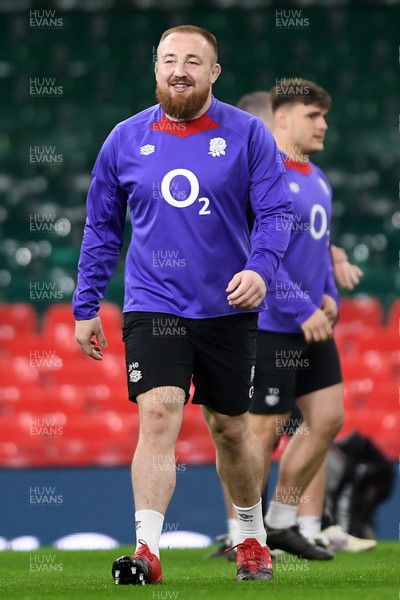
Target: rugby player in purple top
(297,359)
(188,169)
(347,275)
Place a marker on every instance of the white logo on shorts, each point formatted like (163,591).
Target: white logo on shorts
(272,397)
(134,374)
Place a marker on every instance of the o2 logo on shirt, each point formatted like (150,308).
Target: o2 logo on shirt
(193,195)
(318,209)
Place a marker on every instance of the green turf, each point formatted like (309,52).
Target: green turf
(371,575)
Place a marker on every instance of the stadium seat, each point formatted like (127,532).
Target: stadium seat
(21,316)
(386,397)
(110,314)
(394,317)
(108,398)
(67,398)
(22,441)
(348,338)
(110,437)
(370,395)
(194,444)
(361,312)
(368,365)
(359,394)
(18,370)
(194,451)
(23,344)
(380,340)
(84,370)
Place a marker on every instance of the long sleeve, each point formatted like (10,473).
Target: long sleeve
(103,233)
(330,285)
(271,201)
(293,300)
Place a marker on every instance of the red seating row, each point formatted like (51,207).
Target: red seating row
(359,312)
(36,438)
(365,393)
(21,318)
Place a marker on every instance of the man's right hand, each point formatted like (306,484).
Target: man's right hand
(317,327)
(84,332)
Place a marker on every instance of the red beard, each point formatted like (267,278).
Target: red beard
(180,106)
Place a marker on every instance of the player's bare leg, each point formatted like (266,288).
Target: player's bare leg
(301,460)
(303,457)
(267,429)
(311,506)
(153,480)
(153,465)
(239,459)
(240,467)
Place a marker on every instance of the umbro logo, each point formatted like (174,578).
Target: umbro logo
(147,149)
(245,517)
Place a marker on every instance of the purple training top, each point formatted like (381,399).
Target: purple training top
(188,187)
(306,271)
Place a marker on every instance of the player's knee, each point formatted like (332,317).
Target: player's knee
(161,420)
(330,426)
(227,431)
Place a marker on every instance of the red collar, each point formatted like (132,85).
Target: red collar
(302,167)
(183,129)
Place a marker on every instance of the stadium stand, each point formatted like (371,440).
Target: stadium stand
(101,64)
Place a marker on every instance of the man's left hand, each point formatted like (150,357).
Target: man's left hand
(247,290)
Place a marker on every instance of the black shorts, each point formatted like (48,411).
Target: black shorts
(288,367)
(220,353)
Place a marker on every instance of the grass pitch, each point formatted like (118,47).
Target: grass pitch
(63,575)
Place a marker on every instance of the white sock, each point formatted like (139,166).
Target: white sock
(149,524)
(309,525)
(251,523)
(233,531)
(280,516)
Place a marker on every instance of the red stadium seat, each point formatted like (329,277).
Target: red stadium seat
(66,398)
(111,316)
(108,398)
(194,444)
(370,395)
(394,317)
(348,338)
(197,450)
(110,438)
(23,442)
(17,370)
(20,316)
(83,370)
(361,312)
(359,394)
(372,366)
(386,397)
(381,340)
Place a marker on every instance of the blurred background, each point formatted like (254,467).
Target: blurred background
(69,71)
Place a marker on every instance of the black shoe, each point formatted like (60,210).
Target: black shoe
(224,549)
(140,569)
(291,540)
